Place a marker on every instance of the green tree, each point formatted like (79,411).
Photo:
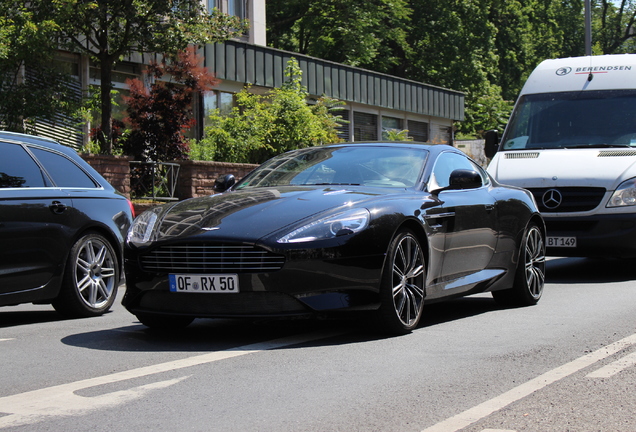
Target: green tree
(27,42)
(613,24)
(107,30)
(370,34)
(261,126)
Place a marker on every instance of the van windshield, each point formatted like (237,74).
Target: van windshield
(599,118)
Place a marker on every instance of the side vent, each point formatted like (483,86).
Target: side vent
(614,153)
(523,155)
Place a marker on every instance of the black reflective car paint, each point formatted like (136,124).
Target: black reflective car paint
(471,239)
(39,225)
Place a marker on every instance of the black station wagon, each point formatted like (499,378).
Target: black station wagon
(62,226)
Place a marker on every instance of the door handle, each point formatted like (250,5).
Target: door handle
(57,207)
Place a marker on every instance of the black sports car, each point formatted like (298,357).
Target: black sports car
(379,227)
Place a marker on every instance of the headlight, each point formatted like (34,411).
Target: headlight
(141,231)
(341,224)
(624,195)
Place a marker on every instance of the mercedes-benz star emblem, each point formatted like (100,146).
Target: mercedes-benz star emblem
(552,198)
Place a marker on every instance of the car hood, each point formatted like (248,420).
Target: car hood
(252,214)
(605,168)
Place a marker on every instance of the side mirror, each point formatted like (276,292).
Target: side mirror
(464,179)
(492,143)
(224,182)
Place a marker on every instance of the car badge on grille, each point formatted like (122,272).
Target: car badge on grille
(552,199)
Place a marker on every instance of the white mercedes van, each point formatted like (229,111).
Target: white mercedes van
(571,141)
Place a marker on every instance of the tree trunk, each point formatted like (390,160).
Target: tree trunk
(105,138)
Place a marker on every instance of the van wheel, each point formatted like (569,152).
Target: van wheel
(89,286)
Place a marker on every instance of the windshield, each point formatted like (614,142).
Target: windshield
(379,166)
(600,118)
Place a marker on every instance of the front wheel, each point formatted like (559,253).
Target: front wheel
(530,273)
(402,286)
(90,279)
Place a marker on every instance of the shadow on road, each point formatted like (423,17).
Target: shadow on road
(589,270)
(10,318)
(222,334)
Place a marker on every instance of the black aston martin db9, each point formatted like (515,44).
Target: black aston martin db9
(377,227)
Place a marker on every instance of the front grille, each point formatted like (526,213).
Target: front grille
(208,258)
(522,155)
(573,199)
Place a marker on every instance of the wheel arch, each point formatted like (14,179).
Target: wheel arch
(108,235)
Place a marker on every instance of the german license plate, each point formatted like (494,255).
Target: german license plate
(218,283)
(561,242)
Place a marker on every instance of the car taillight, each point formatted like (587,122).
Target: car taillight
(132,208)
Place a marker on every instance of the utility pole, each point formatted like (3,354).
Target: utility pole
(588,28)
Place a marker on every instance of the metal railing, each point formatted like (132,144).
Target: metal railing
(153,180)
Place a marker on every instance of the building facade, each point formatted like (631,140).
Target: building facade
(374,102)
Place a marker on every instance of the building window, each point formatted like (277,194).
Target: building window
(217,100)
(212,4)
(237,8)
(343,128)
(390,123)
(418,130)
(365,127)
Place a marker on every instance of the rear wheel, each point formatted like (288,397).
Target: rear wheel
(530,273)
(164,322)
(402,288)
(90,278)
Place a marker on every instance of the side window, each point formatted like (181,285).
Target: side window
(445,164)
(18,169)
(62,170)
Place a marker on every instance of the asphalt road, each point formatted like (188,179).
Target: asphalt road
(567,364)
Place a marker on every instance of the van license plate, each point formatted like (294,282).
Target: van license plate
(218,283)
(561,242)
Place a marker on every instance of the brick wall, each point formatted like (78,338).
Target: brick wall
(196,178)
(115,169)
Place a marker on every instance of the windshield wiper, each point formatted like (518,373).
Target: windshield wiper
(599,145)
(331,184)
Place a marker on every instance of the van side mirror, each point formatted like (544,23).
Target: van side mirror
(224,182)
(492,143)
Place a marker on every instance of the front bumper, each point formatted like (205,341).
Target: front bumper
(301,287)
(596,236)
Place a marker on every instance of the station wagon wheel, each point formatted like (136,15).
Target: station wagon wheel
(530,274)
(90,279)
(402,289)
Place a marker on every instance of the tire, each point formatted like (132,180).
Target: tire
(402,286)
(91,277)
(164,322)
(530,272)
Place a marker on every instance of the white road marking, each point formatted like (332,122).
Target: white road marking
(61,400)
(4,340)
(498,430)
(468,417)
(615,367)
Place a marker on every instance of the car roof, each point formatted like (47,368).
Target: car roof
(433,148)
(30,139)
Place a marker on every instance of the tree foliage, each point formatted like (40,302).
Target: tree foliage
(107,30)
(160,114)
(27,38)
(485,48)
(261,126)
(370,34)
